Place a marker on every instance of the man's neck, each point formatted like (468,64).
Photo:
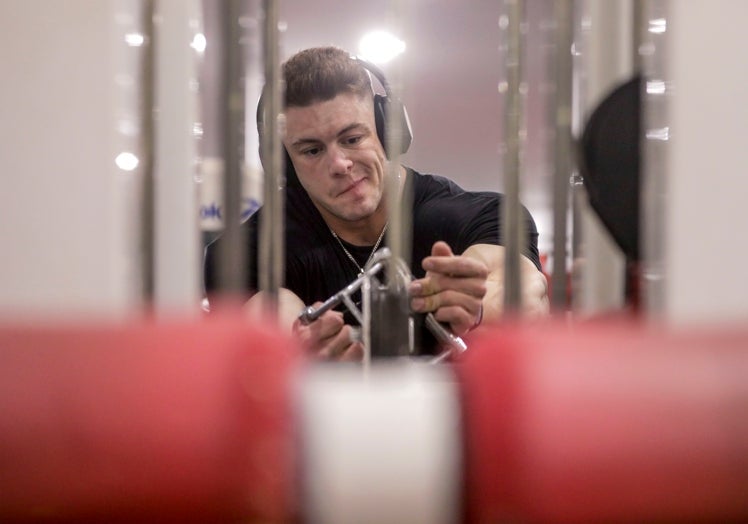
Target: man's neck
(364,232)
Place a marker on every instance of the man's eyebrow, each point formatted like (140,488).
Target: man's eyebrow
(353,127)
(303,141)
(347,129)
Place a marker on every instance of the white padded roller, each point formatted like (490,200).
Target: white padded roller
(382,446)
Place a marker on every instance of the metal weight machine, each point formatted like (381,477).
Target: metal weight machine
(384,285)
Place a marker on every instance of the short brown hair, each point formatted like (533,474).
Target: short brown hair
(322,73)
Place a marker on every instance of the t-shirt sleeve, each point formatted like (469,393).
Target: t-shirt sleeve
(482,224)
(531,249)
(462,218)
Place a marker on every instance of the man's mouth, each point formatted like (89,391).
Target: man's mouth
(352,186)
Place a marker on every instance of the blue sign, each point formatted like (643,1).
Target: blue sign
(215,212)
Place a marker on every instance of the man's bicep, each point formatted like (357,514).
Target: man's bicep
(491,255)
(494,257)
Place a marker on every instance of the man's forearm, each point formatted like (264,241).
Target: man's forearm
(285,311)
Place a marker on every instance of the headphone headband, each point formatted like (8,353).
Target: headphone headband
(374,70)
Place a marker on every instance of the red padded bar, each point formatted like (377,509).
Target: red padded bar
(183,421)
(605,423)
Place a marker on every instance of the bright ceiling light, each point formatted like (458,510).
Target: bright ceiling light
(127,161)
(657,25)
(135,39)
(380,47)
(199,43)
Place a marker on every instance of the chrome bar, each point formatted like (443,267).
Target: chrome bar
(444,336)
(148,224)
(638,29)
(311,313)
(453,343)
(656,157)
(399,207)
(232,257)
(512,223)
(563,160)
(271,259)
(399,200)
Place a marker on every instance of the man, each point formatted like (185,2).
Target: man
(336,215)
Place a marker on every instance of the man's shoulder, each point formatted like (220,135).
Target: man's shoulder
(435,190)
(429,185)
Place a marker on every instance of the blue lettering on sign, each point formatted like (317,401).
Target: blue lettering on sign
(211,211)
(250,206)
(214,211)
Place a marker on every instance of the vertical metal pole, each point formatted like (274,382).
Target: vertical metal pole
(512,211)
(563,11)
(655,157)
(176,242)
(148,227)
(637,38)
(232,267)
(271,227)
(389,334)
(579,83)
(399,200)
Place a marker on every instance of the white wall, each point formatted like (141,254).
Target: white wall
(707,181)
(71,101)
(67,223)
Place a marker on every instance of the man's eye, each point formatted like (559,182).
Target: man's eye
(353,140)
(312,151)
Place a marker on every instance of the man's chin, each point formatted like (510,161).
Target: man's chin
(356,211)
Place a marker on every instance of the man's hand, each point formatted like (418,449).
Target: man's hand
(458,289)
(453,288)
(329,338)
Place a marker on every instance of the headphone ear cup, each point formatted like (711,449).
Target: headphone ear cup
(291,179)
(380,118)
(382,105)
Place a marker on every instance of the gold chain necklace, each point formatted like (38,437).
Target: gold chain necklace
(350,257)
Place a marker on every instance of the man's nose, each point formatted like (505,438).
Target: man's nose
(340,163)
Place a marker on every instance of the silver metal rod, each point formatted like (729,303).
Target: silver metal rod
(366,325)
(452,342)
(562,116)
(148,224)
(443,335)
(311,313)
(399,207)
(232,257)
(512,223)
(399,200)
(271,259)
(638,29)
(577,196)
(654,163)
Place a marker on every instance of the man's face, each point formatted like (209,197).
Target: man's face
(338,157)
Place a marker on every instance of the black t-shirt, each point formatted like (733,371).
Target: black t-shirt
(317,267)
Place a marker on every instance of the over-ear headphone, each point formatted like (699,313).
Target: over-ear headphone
(383,105)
